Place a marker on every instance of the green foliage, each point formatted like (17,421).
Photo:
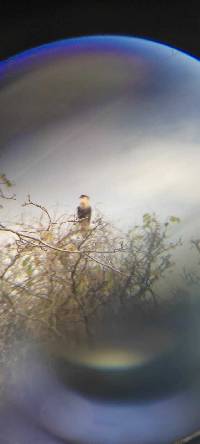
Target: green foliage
(147,219)
(25,261)
(29,269)
(5,181)
(174,219)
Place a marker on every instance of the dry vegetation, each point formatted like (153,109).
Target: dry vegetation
(56,282)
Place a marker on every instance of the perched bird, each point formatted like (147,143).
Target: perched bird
(84,212)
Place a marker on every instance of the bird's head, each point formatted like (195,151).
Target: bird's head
(84,201)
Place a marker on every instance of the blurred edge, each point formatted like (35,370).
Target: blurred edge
(191,439)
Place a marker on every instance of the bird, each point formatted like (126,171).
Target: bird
(84,212)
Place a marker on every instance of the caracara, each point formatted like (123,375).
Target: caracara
(84,212)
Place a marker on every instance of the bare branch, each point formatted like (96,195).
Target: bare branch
(29,202)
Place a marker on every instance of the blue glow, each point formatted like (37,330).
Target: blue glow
(79,43)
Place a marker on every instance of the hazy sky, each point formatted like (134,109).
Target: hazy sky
(115,118)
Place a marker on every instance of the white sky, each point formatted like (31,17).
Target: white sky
(122,128)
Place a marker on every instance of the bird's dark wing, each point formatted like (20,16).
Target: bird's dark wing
(89,214)
(83,213)
(79,212)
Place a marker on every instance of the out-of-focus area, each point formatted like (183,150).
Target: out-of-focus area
(99,299)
